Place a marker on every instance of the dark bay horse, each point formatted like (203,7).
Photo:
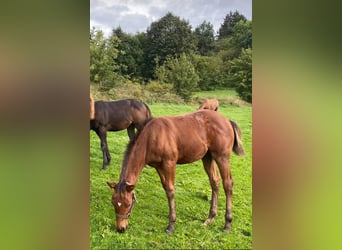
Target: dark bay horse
(167,141)
(211,104)
(117,115)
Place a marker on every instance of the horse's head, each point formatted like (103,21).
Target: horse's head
(204,105)
(123,201)
(211,104)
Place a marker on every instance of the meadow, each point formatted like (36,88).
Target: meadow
(150,215)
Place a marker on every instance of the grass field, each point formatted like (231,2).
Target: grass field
(150,215)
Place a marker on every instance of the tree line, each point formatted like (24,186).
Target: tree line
(171,56)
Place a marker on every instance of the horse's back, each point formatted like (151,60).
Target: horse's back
(190,136)
(120,114)
(114,114)
(113,106)
(202,123)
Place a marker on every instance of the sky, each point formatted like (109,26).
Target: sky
(137,15)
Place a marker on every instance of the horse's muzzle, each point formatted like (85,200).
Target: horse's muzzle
(121,229)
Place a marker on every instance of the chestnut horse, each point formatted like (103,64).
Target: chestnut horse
(167,141)
(211,104)
(92,107)
(117,115)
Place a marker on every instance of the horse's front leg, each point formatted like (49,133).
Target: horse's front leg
(104,147)
(167,177)
(170,192)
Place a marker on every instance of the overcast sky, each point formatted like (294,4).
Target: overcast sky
(137,15)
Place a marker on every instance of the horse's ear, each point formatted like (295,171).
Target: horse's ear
(111,184)
(129,187)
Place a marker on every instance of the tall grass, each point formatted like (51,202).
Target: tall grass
(226,97)
(150,215)
(217,93)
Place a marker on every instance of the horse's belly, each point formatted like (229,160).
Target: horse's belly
(117,126)
(191,154)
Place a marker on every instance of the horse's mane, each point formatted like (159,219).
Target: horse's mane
(130,145)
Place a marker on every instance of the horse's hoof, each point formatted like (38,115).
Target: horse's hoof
(169,230)
(103,168)
(226,229)
(208,221)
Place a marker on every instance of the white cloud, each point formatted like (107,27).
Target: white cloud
(136,15)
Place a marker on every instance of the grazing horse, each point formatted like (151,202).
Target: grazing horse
(211,104)
(117,115)
(167,141)
(92,107)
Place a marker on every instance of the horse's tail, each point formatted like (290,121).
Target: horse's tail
(237,147)
(149,113)
(92,107)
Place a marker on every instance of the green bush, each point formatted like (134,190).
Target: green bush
(159,92)
(241,71)
(181,73)
(128,89)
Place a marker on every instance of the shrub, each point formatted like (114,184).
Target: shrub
(181,73)
(241,71)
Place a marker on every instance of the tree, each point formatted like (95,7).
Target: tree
(168,37)
(180,72)
(230,47)
(130,54)
(242,35)
(229,22)
(103,53)
(205,37)
(241,72)
(208,69)
(97,44)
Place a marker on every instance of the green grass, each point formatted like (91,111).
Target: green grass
(150,215)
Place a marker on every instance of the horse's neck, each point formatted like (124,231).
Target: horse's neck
(134,165)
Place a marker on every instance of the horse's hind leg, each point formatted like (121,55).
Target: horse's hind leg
(102,133)
(131,132)
(214,178)
(227,180)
